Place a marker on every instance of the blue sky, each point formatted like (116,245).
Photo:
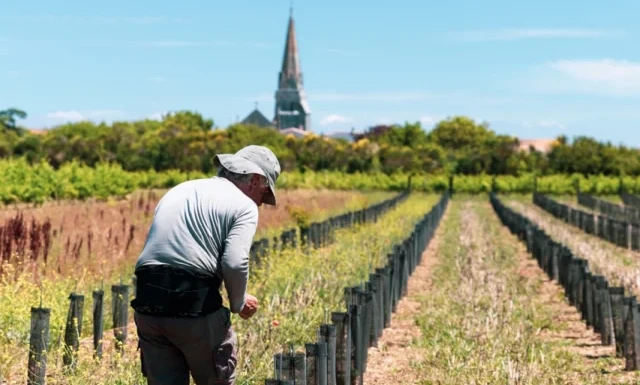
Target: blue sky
(533,69)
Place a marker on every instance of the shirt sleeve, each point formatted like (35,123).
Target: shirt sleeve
(235,259)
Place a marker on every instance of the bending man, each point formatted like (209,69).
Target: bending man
(201,234)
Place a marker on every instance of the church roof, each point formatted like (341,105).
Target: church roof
(297,132)
(257,118)
(291,60)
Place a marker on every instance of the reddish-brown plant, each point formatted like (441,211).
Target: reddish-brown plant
(52,236)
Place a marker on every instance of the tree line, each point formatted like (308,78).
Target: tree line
(185,140)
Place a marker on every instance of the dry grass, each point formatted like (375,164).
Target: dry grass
(73,238)
(293,288)
(395,354)
(479,310)
(488,317)
(93,245)
(621,266)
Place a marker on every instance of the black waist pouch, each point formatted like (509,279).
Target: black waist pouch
(174,292)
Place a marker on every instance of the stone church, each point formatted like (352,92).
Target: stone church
(291,107)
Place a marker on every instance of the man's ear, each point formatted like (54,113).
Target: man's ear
(255,181)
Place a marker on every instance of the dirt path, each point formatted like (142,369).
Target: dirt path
(569,330)
(394,356)
(480,310)
(572,329)
(621,266)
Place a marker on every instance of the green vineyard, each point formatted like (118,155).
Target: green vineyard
(420,287)
(22,182)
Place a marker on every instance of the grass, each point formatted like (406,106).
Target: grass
(299,288)
(488,314)
(621,266)
(20,288)
(293,288)
(103,237)
(574,199)
(482,322)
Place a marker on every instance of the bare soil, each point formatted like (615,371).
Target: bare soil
(569,327)
(393,357)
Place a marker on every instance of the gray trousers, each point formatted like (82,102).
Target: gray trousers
(171,348)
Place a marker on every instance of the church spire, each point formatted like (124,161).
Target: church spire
(290,74)
(291,107)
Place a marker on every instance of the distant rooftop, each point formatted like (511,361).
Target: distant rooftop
(257,118)
(297,132)
(542,145)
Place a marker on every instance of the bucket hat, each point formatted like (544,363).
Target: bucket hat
(253,160)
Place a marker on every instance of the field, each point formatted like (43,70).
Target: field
(478,309)
(95,244)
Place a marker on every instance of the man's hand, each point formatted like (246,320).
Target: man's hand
(250,307)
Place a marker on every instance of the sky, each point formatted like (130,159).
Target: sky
(532,69)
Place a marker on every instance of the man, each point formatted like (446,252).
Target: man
(200,236)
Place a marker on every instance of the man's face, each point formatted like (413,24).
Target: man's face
(257,189)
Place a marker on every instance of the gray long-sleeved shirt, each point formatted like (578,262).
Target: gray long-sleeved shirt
(207,225)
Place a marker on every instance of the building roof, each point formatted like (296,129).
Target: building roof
(542,145)
(257,118)
(297,132)
(37,131)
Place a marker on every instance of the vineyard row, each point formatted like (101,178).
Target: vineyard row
(22,182)
(619,232)
(339,355)
(319,234)
(604,308)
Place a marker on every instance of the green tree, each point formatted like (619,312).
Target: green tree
(187,121)
(410,135)
(30,147)
(8,119)
(459,133)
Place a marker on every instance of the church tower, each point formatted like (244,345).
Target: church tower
(291,107)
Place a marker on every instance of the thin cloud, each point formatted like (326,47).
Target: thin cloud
(157,115)
(380,96)
(533,33)
(157,79)
(616,73)
(77,116)
(375,96)
(178,43)
(98,19)
(68,116)
(195,43)
(604,77)
(334,118)
(166,44)
(153,20)
(546,123)
(429,120)
(105,113)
